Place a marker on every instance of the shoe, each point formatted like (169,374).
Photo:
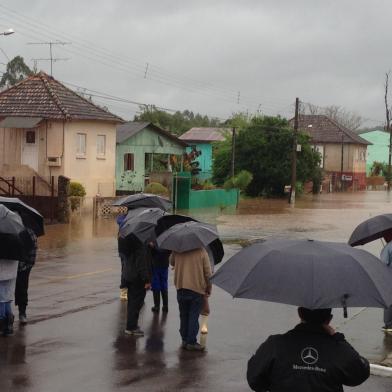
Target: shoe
(165,309)
(134,332)
(194,347)
(124,294)
(155,309)
(9,326)
(387,329)
(22,318)
(183,344)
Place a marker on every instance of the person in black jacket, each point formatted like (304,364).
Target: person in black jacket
(311,357)
(136,274)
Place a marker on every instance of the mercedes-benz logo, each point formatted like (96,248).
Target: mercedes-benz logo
(309,355)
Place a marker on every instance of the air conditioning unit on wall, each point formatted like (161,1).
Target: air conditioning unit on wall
(54,161)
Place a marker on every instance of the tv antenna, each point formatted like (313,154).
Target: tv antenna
(51,58)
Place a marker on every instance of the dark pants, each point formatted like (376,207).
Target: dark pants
(22,285)
(190,304)
(136,295)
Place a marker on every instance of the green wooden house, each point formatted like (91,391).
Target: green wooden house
(143,149)
(379,150)
(202,139)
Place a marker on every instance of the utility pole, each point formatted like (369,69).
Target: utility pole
(341,164)
(233,136)
(294,155)
(51,59)
(388,129)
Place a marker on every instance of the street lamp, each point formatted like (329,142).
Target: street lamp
(8,32)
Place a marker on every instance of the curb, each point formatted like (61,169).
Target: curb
(378,370)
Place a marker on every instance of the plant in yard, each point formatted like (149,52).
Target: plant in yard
(157,189)
(76,194)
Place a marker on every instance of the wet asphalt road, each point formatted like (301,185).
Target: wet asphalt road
(75,339)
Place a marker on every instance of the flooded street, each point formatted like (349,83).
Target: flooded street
(75,341)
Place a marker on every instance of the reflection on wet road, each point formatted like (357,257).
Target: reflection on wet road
(75,339)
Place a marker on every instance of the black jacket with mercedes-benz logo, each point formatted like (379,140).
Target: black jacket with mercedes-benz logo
(306,359)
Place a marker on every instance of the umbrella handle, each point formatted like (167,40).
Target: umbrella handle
(344,303)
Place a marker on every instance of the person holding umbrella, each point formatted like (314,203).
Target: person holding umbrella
(14,242)
(192,271)
(136,274)
(377,227)
(22,280)
(310,357)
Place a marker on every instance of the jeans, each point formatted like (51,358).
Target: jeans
(136,295)
(159,278)
(5,310)
(22,285)
(190,304)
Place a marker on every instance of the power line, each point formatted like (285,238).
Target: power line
(155,73)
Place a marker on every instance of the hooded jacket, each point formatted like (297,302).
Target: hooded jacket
(137,265)
(306,359)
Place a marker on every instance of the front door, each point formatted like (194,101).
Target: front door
(30,148)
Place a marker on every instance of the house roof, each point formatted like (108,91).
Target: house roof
(131,128)
(323,129)
(204,134)
(40,95)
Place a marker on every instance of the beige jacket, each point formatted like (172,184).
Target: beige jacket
(192,270)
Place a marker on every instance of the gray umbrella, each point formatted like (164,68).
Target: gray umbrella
(187,236)
(371,229)
(141,223)
(14,240)
(145,200)
(30,216)
(312,274)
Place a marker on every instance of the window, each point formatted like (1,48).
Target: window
(101,145)
(30,137)
(129,162)
(81,144)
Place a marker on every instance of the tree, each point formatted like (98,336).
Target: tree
(264,149)
(178,122)
(350,120)
(16,71)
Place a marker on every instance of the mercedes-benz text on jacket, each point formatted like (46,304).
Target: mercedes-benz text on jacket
(306,359)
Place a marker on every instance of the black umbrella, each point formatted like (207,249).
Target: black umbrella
(371,229)
(167,221)
(312,274)
(187,236)
(14,239)
(141,224)
(145,200)
(30,216)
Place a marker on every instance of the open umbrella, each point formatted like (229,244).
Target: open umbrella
(167,221)
(187,236)
(371,229)
(312,274)
(14,239)
(30,216)
(141,224)
(145,200)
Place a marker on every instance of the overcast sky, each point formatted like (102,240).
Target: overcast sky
(201,53)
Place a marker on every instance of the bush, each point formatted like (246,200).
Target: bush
(208,185)
(240,181)
(156,188)
(76,193)
(76,189)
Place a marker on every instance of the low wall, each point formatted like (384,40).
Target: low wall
(213,198)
